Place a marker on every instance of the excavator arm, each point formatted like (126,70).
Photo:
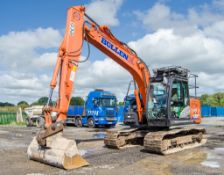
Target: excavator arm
(80,27)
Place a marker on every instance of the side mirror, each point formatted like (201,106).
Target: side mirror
(95,103)
(154,100)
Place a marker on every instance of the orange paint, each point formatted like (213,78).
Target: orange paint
(195,110)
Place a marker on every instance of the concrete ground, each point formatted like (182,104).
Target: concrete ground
(208,159)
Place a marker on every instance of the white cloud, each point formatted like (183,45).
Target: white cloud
(20,86)
(104,74)
(193,40)
(27,68)
(215,30)
(161,16)
(27,61)
(197,52)
(162,48)
(19,50)
(45,60)
(210,83)
(104,12)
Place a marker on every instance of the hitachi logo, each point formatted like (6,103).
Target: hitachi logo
(113,48)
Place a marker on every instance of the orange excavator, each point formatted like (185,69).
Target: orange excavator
(162,102)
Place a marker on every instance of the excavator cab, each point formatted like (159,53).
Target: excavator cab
(169,102)
(168,106)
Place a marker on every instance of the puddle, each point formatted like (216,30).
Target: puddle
(99,136)
(87,152)
(211,164)
(219,150)
(83,152)
(214,158)
(211,158)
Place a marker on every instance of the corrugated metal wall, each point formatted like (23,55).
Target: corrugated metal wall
(9,117)
(120,114)
(208,111)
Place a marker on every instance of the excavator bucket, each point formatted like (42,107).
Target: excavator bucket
(59,152)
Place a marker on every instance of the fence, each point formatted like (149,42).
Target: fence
(120,114)
(209,111)
(9,117)
(206,111)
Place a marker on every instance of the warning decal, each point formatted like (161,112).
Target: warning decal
(72,75)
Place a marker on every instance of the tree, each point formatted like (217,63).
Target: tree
(41,101)
(77,101)
(120,103)
(23,104)
(6,104)
(216,99)
(204,99)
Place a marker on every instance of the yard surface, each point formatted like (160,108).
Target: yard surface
(208,159)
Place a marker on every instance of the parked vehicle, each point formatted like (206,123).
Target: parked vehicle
(129,103)
(99,110)
(35,115)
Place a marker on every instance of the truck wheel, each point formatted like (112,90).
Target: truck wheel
(110,126)
(29,122)
(78,122)
(40,122)
(91,122)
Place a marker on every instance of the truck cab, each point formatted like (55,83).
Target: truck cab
(100,109)
(129,103)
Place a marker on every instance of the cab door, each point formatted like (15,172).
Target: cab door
(179,99)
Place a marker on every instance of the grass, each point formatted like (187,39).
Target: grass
(8,108)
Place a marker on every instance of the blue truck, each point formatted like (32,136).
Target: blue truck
(129,102)
(100,109)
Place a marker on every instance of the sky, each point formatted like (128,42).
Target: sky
(187,33)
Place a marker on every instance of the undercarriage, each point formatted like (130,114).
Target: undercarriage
(160,142)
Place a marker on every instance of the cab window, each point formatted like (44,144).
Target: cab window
(179,99)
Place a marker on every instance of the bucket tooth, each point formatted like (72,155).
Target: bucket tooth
(59,152)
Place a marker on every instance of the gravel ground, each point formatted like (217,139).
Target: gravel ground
(208,159)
